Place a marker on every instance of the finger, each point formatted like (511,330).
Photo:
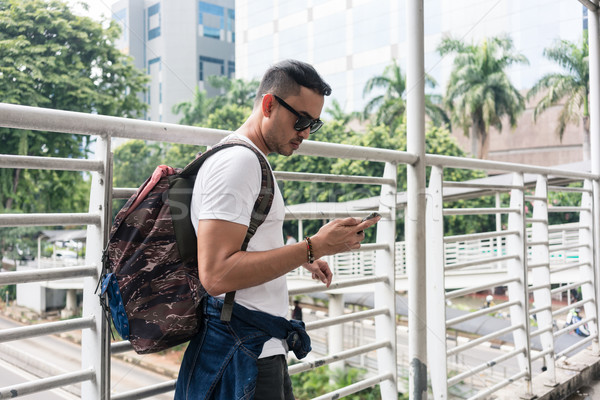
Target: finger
(367,224)
(350,221)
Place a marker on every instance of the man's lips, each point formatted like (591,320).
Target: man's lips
(295,145)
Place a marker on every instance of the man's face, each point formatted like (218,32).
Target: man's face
(280,136)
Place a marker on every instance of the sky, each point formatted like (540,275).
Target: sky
(97,8)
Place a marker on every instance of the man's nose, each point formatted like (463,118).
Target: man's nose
(305,133)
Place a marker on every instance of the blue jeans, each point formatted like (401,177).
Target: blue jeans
(221,361)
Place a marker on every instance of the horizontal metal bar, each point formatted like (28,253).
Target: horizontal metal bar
(533,288)
(572,227)
(338,285)
(562,209)
(563,288)
(334,150)
(479,236)
(48,328)
(479,313)
(536,198)
(541,354)
(581,343)
(472,163)
(356,387)
(297,215)
(461,292)
(120,347)
(567,247)
(538,332)
(538,243)
(478,211)
(455,379)
(372,247)
(540,309)
(568,189)
(485,393)
(537,265)
(52,163)
(590,5)
(330,178)
(48,274)
(49,219)
(481,261)
(536,220)
(346,318)
(146,392)
(568,266)
(123,193)
(572,327)
(569,307)
(307,365)
(40,385)
(471,185)
(482,339)
(25,117)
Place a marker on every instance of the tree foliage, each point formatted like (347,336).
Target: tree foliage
(571,86)
(479,92)
(51,58)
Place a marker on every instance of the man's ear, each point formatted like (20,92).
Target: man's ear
(267,104)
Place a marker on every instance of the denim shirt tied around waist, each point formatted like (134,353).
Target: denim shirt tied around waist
(220,362)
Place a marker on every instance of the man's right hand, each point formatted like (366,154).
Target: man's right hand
(340,235)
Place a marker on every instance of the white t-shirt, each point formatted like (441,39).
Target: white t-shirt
(226,188)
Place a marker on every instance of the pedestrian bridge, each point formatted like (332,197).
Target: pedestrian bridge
(532,258)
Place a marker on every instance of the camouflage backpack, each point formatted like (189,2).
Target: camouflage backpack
(150,281)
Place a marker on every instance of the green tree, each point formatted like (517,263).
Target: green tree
(229,117)
(479,92)
(337,113)
(572,86)
(51,58)
(194,111)
(390,106)
(234,91)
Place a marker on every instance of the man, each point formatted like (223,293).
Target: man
(239,359)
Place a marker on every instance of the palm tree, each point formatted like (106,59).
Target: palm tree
(389,107)
(479,92)
(572,86)
(194,111)
(338,114)
(234,91)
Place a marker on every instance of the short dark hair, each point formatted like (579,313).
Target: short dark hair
(286,77)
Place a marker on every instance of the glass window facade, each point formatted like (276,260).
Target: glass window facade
(212,19)
(331,35)
(207,67)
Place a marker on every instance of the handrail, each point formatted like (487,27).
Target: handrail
(49,274)
(40,385)
(47,328)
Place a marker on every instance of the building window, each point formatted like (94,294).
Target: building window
(208,64)
(212,19)
(231,23)
(231,69)
(154,21)
(585,18)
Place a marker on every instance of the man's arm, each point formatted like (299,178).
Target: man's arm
(223,267)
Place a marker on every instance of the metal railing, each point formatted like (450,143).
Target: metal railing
(524,257)
(96,347)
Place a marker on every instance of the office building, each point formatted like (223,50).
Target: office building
(179,44)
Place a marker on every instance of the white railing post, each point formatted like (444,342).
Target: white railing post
(385,292)
(335,339)
(594,107)
(415,210)
(540,255)
(586,255)
(436,290)
(517,268)
(95,343)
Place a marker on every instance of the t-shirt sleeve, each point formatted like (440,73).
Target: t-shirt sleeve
(227,186)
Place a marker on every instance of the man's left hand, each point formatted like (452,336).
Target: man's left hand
(320,270)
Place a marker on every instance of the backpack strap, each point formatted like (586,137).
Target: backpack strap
(261,208)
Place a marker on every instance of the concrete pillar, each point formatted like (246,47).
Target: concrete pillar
(336,332)
(71,304)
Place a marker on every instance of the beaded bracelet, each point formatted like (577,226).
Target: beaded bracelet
(309,250)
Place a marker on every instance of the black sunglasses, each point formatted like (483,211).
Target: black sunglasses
(302,122)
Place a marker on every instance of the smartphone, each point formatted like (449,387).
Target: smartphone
(370,216)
